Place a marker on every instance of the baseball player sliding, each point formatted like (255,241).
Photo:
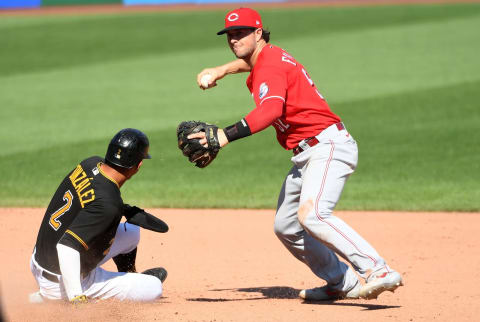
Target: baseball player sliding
(81,230)
(324,156)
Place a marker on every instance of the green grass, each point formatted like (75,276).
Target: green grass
(426,154)
(404,79)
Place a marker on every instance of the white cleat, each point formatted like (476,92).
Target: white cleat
(326,293)
(377,284)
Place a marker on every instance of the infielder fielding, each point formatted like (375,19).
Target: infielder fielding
(324,156)
(81,230)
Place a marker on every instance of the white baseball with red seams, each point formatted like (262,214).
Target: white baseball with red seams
(205,80)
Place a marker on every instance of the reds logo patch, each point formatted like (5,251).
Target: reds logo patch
(263,90)
(233,17)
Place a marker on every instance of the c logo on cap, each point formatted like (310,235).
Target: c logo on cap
(233,17)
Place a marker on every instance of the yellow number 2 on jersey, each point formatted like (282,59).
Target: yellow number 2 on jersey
(67,197)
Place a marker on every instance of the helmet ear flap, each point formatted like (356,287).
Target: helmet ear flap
(128,148)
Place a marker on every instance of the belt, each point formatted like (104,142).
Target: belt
(312,141)
(50,277)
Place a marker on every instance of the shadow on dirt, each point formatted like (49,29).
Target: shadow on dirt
(271,292)
(367,307)
(285,292)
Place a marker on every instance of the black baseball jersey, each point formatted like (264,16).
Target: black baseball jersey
(83,214)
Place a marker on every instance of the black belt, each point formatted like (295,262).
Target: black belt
(314,141)
(50,277)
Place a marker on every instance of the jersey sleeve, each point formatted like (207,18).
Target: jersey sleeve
(90,223)
(269,90)
(264,115)
(270,83)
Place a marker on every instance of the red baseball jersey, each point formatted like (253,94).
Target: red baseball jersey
(286,97)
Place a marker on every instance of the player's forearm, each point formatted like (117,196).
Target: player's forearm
(257,120)
(69,260)
(236,131)
(264,115)
(234,67)
(208,77)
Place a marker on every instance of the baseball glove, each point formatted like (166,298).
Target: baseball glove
(192,149)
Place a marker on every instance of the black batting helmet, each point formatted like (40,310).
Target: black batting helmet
(127,148)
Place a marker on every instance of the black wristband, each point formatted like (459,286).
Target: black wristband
(237,131)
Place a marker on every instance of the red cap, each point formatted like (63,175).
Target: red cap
(241,18)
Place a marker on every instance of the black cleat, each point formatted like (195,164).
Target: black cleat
(158,272)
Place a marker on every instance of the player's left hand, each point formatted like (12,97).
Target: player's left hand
(199,142)
(222,138)
(130,211)
(138,216)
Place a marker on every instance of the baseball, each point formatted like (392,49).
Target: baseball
(205,80)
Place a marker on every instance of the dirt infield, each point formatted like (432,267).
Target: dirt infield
(227,265)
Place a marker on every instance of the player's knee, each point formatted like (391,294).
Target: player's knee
(310,213)
(303,211)
(133,233)
(142,288)
(151,287)
(280,228)
(324,209)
